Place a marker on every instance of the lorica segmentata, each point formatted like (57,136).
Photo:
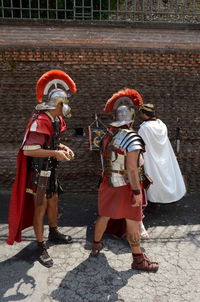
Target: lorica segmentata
(123,141)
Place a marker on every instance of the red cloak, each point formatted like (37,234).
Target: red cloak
(21,209)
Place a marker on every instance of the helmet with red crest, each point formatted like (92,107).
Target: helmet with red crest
(122,105)
(56,85)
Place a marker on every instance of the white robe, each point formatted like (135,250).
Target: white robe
(160,164)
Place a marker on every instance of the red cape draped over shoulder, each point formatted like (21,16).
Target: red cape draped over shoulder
(21,207)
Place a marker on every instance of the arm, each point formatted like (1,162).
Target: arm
(33,147)
(58,154)
(133,175)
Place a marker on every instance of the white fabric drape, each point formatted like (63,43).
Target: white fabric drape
(161,164)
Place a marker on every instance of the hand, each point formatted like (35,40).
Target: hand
(69,152)
(138,200)
(61,155)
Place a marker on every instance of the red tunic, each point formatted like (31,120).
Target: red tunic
(21,208)
(116,203)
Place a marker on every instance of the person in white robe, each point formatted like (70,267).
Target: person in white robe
(160,162)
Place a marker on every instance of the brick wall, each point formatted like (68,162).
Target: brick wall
(169,78)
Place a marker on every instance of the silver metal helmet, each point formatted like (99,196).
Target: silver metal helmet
(123,115)
(122,105)
(55,97)
(44,86)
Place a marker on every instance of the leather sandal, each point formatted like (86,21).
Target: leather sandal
(97,246)
(143,263)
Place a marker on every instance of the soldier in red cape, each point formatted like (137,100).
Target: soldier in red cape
(120,193)
(36,187)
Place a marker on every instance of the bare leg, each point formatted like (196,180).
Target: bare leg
(38,224)
(133,235)
(100,227)
(140,260)
(38,220)
(52,210)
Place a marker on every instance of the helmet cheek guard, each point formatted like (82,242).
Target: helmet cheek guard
(123,115)
(66,110)
(122,105)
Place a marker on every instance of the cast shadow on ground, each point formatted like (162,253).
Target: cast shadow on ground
(14,274)
(86,282)
(81,210)
(4,205)
(182,212)
(117,246)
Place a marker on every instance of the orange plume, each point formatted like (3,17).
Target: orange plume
(132,94)
(50,76)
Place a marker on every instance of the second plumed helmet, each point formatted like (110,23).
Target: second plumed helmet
(122,105)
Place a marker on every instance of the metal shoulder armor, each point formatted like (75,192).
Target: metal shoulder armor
(127,140)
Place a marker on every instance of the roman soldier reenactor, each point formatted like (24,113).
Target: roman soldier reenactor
(36,187)
(121,193)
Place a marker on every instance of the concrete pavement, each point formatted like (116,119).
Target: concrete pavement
(75,277)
